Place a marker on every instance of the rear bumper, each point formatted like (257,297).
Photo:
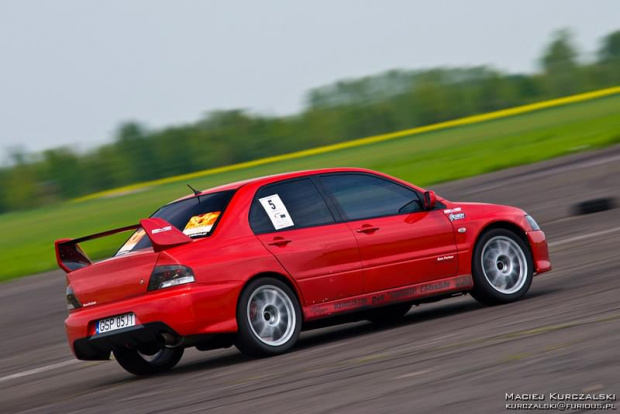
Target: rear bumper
(182,311)
(98,347)
(540,251)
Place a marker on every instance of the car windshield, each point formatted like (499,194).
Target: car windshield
(196,217)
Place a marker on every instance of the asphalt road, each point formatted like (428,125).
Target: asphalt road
(450,356)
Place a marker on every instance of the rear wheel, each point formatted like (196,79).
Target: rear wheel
(155,362)
(389,314)
(502,268)
(268,317)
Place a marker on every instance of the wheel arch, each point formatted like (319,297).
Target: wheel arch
(506,225)
(278,276)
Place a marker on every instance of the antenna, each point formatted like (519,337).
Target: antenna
(196,192)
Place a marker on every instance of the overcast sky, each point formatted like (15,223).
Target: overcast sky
(70,71)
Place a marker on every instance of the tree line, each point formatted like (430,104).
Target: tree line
(341,111)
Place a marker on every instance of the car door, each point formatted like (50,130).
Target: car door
(293,221)
(400,243)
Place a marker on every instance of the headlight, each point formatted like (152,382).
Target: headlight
(532,222)
(72,301)
(168,276)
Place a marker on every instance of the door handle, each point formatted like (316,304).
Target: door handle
(279,241)
(367,229)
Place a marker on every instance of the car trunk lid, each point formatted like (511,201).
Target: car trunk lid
(126,274)
(114,279)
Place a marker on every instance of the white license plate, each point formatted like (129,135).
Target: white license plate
(116,322)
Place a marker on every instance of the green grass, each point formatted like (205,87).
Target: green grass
(26,245)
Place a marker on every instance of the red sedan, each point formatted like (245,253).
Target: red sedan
(253,263)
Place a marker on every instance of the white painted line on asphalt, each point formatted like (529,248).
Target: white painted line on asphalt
(38,370)
(583,237)
(413,374)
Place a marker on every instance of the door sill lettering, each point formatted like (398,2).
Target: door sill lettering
(401,294)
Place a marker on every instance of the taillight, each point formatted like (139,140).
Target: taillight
(168,276)
(72,301)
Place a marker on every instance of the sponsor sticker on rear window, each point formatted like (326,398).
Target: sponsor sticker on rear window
(201,224)
(131,243)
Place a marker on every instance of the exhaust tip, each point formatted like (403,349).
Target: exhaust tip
(169,340)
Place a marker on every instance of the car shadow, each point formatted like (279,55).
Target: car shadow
(338,333)
(423,313)
(351,329)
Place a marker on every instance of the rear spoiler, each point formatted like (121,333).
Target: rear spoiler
(162,234)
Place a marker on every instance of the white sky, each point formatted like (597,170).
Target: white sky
(70,71)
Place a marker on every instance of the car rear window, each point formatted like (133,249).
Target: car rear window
(196,217)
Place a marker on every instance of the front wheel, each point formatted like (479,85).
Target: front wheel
(268,317)
(502,268)
(154,362)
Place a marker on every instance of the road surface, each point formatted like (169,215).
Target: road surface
(455,355)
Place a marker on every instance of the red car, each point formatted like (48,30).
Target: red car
(254,262)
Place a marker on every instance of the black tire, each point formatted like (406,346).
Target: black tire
(283,322)
(388,314)
(135,363)
(483,271)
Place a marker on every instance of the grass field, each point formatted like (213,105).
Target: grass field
(26,246)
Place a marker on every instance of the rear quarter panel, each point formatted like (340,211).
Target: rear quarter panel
(227,261)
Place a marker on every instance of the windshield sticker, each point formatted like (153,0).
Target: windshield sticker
(133,240)
(201,225)
(276,211)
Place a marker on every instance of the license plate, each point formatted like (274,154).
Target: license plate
(116,322)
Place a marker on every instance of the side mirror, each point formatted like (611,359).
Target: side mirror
(429,200)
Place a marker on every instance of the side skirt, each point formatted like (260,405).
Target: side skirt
(411,293)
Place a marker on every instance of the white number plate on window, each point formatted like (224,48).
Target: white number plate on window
(116,322)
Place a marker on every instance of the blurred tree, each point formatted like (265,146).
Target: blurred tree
(610,51)
(20,181)
(21,184)
(4,189)
(609,57)
(18,155)
(431,99)
(105,168)
(62,167)
(134,146)
(560,64)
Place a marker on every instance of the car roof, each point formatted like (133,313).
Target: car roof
(273,178)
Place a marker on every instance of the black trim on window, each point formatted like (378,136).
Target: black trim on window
(341,212)
(333,213)
(329,199)
(332,204)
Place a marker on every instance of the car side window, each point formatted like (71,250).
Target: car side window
(363,196)
(302,201)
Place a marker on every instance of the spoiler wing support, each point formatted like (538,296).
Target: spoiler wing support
(163,235)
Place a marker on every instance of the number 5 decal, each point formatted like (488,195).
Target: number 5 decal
(276,211)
